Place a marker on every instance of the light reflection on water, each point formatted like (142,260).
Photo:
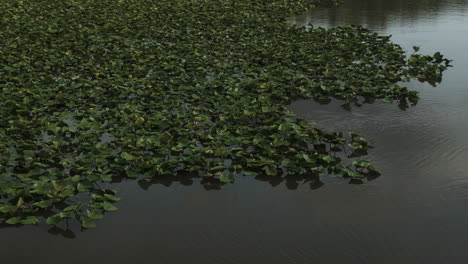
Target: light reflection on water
(416,212)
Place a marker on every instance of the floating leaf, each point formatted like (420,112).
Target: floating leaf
(362,164)
(140,121)
(87,222)
(270,170)
(95,214)
(13,221)
(328,159)
(54,219)
(43,204)
(29,220)
(111,197)
(108,206)
(127,156)
(226,177)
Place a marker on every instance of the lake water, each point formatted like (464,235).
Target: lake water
(416,212)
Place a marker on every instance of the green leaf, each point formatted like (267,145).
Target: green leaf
(355,145)
(361,164)
(226,177)
(131,173)
(13,221)
(71,208)
(20,202)
(355,174)
(270,170)
(328,159)
(266,109)
(249,173)
(106,178)
(43,204)
(95,214)
(127,156)
(112,197)
(30,220)
(140,121)
(87,222)
(8,209)
(84,186)
(108,206)
(54,219)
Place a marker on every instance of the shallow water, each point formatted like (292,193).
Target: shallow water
(415,212)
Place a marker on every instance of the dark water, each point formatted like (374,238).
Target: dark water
(416,212)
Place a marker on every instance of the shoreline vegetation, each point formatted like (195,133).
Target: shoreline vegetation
(95,91)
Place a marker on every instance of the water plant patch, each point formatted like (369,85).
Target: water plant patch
(91,91)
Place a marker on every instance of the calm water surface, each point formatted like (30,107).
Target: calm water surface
(416,212)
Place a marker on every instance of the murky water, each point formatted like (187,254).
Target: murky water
(416,212)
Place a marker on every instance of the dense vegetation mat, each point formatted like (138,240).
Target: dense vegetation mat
(92,91)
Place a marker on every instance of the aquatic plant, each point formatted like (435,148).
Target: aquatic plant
(92,91)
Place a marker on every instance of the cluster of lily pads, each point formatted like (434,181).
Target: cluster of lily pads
(93,91)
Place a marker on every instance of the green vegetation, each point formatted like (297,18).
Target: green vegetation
(92,91)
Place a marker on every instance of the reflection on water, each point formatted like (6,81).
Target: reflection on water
(382,14)
(291,182)
(416,212)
